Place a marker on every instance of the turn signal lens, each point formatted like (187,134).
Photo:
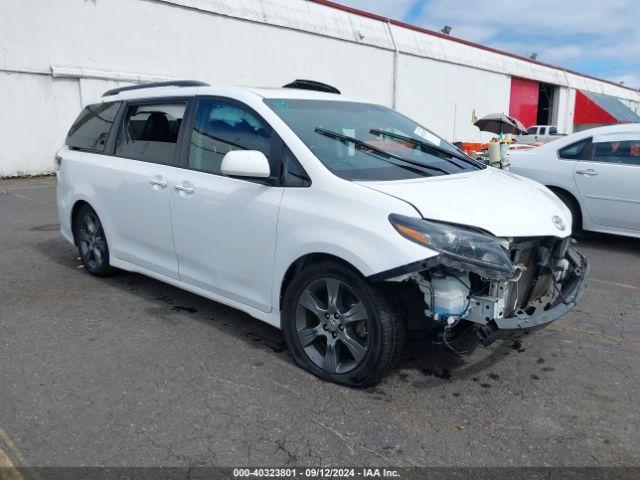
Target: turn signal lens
(412,234)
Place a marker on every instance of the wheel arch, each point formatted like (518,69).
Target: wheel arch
(74,214)
(77,205)
(561,191)
(305,261)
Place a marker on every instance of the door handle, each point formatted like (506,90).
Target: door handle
(587,172)
(158,183)
(183,188)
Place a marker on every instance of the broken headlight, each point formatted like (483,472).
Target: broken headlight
(460,244)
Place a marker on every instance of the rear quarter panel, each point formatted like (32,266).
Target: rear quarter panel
(544,166)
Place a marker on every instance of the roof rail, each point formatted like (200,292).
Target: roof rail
(312,85)
(172,83)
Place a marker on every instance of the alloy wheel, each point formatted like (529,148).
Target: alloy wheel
(93,246)
(332,325)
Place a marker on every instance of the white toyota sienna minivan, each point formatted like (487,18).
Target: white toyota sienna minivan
(342,222)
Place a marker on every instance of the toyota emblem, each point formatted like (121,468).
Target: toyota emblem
(559,223)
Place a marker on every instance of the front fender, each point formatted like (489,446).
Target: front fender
(357,231)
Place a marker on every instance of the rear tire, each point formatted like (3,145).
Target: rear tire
(339,326)
(91,242)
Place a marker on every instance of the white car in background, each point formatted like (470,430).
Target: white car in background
(539,134)
(596,173)
(342,222)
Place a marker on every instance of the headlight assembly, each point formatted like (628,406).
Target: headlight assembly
(458,243)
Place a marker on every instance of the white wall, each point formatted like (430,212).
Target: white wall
(565,107)
(36,111)
(443,96)
(153,39)
(58,56)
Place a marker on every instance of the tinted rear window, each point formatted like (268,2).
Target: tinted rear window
(577,151)
(91,130)
(150,132)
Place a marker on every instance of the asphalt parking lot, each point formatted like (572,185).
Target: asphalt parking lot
(127,371)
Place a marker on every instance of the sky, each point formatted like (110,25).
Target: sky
(595,37)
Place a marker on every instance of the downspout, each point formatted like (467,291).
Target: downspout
(396,54)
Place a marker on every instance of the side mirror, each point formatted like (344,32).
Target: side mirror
(245,163)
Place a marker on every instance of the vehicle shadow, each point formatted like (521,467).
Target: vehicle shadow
(607,242)
(170,304)
(464,358)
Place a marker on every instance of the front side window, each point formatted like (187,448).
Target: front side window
(150,132)
(576,151)
(532,130)
(221,126)
(361,141)
(91,130)
(624,151)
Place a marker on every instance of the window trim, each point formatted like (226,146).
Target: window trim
(122,115)
(283,169)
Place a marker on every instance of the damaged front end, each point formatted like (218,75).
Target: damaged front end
(500,287)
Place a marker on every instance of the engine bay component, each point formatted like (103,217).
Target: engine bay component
(446,293)
(485,308)
(546,276)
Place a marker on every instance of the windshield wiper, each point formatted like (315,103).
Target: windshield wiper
(365,146)
(427,146)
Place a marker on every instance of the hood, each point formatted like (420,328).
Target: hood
(499,202)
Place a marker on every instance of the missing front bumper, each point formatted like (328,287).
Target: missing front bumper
(527,319)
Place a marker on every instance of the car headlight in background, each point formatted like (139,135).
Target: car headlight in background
(459,243)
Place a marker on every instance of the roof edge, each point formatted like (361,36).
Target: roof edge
(364,13)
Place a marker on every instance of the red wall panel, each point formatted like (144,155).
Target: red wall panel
(523,103)
(588,112)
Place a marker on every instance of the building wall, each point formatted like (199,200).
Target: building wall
(565,108)
(36,112)
(55,59)
(444,96)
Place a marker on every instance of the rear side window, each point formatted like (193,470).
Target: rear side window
(625,152)
(91,130)
(577,151)
(150,132)
(543,130)
(553,131)
(220,127)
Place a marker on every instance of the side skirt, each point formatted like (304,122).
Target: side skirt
(272,318)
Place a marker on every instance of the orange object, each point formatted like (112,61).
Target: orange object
(473,149)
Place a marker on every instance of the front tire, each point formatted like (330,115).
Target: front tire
(92,242)
(339,326)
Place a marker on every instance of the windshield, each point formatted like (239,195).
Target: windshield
(349,139)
